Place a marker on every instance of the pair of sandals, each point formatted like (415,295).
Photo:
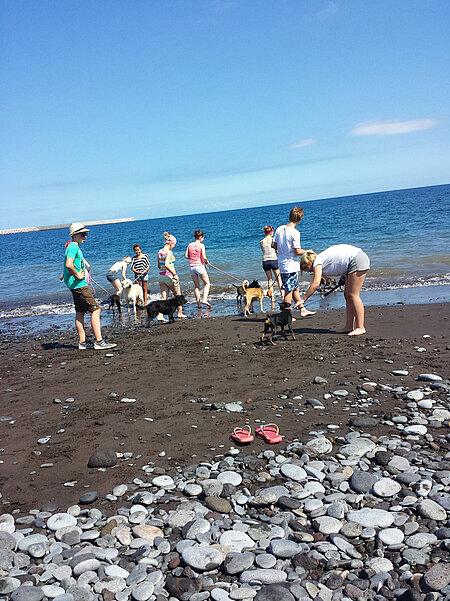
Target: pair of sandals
(270,433)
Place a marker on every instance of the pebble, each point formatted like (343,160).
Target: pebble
(355,517)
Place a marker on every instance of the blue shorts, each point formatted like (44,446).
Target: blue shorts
(290,281)
(141,278)
(270,265)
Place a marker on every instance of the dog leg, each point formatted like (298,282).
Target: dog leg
(292,333)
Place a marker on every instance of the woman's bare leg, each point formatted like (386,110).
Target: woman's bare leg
(196,281)
(176,289)
(144,288)
(270,287)
(206,287)
(354,325)
(118,286)
(279,282)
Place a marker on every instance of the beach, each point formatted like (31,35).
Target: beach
(173,373)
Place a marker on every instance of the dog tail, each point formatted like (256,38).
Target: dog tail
(245,285)
(235,285)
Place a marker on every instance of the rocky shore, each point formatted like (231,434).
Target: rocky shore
(119,481)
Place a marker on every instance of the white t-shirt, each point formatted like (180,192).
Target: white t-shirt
(286,239)
(335,259)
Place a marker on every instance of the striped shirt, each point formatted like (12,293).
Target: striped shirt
(140,264)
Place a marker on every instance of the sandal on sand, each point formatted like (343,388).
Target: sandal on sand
(242,435)
(270,433)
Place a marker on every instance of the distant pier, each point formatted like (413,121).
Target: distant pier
(40,228)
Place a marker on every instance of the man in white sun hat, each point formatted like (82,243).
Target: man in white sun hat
(75,267)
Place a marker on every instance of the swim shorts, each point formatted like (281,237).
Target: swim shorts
(360,262)
(141,278)
(290,281)
(197,269)
(167,280)
(270,265)
(112,276)
(84,300)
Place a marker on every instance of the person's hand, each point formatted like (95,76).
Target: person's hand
(80,275)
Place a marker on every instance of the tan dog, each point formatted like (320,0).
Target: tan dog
(252,294)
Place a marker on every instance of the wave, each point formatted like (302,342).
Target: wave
(224,293)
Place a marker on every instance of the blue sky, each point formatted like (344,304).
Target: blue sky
(148,108)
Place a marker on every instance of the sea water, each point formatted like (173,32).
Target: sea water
(405,232)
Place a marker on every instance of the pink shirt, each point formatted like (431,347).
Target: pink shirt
(195,254)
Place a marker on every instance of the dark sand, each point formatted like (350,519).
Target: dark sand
(166,366)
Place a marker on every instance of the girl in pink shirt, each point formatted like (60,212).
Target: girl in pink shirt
(196,254)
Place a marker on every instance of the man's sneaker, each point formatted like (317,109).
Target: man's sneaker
(101,345)
(82,346)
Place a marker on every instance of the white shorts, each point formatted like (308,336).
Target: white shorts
(197,269)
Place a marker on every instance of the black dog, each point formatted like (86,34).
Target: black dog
(167,307)
(114,301)
(279,320)
(240,294)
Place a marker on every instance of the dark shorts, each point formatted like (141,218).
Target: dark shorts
(270,265)
(84,300)
(112,276)
(290,281)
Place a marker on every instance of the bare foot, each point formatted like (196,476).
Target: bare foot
(357,332)
(343,331)
(304,312)
(207,304)
(182,316)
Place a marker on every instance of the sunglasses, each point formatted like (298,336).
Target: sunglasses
(84,234)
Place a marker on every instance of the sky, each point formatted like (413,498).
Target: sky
(152,108)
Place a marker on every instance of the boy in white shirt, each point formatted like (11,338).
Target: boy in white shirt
(287,244)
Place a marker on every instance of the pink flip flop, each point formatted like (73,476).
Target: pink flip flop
(270,433)
(242,435)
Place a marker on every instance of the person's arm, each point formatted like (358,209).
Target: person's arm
(148,266)
(205,260)
(87,265)
(313,286)
(186,254)
(124,270)
(274,245)
(79,275)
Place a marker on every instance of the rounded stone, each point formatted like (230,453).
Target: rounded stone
(379,564)
(27,593)
(283,548)
(415,429)
(264,576)
(212,487)
(274,592)
(386,487)
(431,510)
(8,585)
(147,532)
(218,504)
(192,490)
(230,477)
(391,536)
(371,518)
(321,445)
(294,472)
(429,378)
(236,541)
(7,541)
(60,520)
(103,458)
(235,563)
(143,591)
(202,557)
(33,539)
(120,490)
(163,481)
(362,481)
(88,497)
(327,525)
(425,404)
(265,560)
(414,395)
(438,576)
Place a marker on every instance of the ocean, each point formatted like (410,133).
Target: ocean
(406,233)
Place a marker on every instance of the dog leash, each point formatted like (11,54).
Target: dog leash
(226,273)
(104,289)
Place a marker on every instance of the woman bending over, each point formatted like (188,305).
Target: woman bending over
(340,260)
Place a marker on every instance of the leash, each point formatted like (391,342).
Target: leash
(226,273)
(104,289)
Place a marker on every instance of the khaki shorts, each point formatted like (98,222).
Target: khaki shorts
(84,300)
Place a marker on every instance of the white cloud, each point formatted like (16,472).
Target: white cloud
(391,127)
(303,143)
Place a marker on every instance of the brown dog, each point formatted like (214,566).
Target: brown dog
(252,294)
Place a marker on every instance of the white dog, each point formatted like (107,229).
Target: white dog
(132,293)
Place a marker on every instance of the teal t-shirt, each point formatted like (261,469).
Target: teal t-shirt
(74,251)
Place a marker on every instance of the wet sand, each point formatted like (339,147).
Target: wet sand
(165,368)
